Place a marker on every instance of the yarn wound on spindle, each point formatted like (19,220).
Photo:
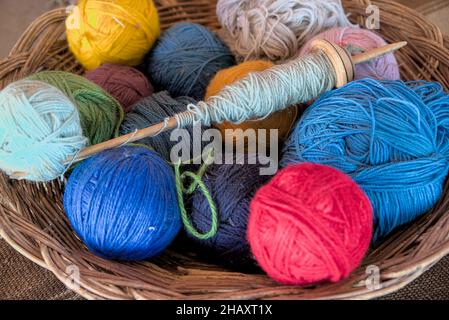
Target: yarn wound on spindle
(391,137)
(357,40)
(40,127)
(259,94)
(126,84)
(115,31)
(154,109)
(275,29)
(99,112)
(282,120)
(310,224)
(122,203)
(231,187)
(185,59)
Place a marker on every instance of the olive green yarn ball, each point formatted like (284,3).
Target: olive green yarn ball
(100,114)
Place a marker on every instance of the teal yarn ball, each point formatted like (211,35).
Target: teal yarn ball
(185,58)
(391,137)
(122,203)
(39,128)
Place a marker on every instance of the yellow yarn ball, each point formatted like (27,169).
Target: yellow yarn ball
(115,31)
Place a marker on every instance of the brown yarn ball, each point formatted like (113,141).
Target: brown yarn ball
(282,120)
(126,84)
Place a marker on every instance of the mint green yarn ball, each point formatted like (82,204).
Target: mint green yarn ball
(100,114)
(39,128)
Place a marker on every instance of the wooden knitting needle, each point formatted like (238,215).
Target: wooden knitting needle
(340,58)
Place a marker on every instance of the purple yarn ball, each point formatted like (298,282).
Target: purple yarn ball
(232,186)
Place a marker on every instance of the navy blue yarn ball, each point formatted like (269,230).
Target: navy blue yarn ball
(391,137)
(185,58)
(154,109)
(122,203)
(232,186)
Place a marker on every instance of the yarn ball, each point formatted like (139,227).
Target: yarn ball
(359,40)
(185,59)
(310,224)
(99,112)
(154,109)
(40,128)
(232,187)
(281,120)
(126,84)
(389,136)
(275,29)
(116,31)
(122,203)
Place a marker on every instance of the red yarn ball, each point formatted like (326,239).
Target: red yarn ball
(126,84)
(311,223)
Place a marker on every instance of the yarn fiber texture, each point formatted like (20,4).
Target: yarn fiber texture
(259,94)
(310,224)
(282,120)
(126,84)
(40,128)
(152,110)
(389,136)
(122,203)
(231,187)
(185,59)
(115,31)
(99,112)
(276,29)
(358,40)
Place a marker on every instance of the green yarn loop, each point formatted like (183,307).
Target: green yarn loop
(181,191)
(100,114)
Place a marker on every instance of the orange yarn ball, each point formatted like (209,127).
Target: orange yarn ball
(282,120)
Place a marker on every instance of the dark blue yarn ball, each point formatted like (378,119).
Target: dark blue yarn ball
(391,137)
(122,203)
(185,59)
(154,109)
(232,186)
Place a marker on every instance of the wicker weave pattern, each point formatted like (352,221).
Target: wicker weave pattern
(33,222)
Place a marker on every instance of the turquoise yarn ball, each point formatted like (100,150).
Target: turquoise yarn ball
(40,127)
(122,203)
(391,137)
(185,58)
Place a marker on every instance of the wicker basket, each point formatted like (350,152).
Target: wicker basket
(33,222)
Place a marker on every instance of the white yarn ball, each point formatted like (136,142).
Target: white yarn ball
(276,29)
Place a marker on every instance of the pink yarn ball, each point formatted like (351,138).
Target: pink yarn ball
(382,68)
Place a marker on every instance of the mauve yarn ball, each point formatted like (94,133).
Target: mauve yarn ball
(185,59)
(310,224)
(128,85)
(357,40)
(232,187)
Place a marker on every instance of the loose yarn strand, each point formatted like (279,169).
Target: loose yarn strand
(180,190)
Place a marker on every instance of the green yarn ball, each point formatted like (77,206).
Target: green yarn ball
(100,114)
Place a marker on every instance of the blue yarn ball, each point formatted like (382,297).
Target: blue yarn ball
(185,59)
(122,203)
(391,137)
(154,109)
